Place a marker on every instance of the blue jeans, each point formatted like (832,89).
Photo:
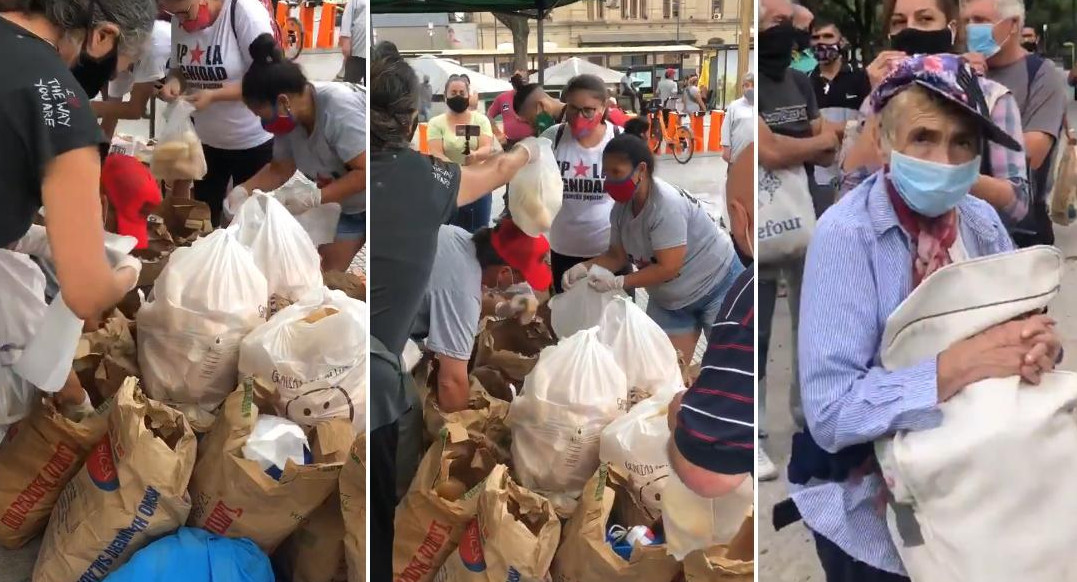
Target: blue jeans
(701,314)
(475,215)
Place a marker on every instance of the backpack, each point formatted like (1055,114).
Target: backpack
(268,5)
(1036,228)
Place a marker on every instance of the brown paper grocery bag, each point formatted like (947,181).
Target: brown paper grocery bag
(106,357)
(441,501)
(38,457)
(233,497)
(353,285)
(159,247)
(482,409)
(494,382)
(585,556)
(315,552)
(131,491)
(715,565)
(353,507)
(185,219)
(510,347)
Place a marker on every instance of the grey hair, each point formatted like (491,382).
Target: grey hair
(895,113)
(1011,9)
(134,18)
(749,77)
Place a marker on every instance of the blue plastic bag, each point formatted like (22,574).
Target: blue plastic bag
(196,555)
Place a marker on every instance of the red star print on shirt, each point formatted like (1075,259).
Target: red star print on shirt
(581,169)
(196,54)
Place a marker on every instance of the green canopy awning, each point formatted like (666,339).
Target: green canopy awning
(528,7)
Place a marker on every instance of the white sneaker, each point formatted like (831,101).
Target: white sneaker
(764,467)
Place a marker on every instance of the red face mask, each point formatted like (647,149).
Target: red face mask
(202,20)
(622,190)
(279,124)
(582,127)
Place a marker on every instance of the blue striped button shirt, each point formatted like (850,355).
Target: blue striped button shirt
(858,270)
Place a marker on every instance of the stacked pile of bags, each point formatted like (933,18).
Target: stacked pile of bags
(561,453)
(230,394)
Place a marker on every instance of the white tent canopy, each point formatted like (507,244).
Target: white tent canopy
(560,74)
(439,71)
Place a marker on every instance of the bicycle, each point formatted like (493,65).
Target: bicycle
(678,138)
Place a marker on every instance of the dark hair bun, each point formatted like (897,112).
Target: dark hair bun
(265,50)
(517,80)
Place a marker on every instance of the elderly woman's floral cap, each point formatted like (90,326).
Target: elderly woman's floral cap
(948,76)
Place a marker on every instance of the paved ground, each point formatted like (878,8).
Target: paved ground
(789,556)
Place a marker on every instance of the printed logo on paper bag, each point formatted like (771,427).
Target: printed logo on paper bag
(101,467)
(471,548)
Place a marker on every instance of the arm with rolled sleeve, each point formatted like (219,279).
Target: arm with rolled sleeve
(848,398)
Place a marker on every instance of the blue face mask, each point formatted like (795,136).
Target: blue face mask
(982,39)
(804,62)
(929,188)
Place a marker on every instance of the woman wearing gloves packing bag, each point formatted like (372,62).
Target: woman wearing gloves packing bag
(682,258)
(321,132)
(211,42)
(869,252)
(56,163)
(581,230)
(412,196)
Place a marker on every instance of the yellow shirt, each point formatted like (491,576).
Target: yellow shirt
(453,144)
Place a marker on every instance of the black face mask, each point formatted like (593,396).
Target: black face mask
(827,53)
(93,73)
(776,50)
(1029,46)
(802,38)
(923,42)
(458,103)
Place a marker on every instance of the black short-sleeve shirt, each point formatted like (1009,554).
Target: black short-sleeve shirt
(847,90)
(43,113)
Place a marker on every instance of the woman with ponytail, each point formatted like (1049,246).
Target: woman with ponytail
(320,131)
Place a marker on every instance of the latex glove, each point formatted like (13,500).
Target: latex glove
(235,199)
(574,275)
(131,264)
(300,200)
(606,282)
(532,146)
(35,243)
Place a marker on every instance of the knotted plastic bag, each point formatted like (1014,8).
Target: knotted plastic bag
(535,192)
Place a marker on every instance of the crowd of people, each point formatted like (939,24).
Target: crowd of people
(936,152)
(439,257)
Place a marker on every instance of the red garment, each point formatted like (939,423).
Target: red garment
(132,192)
(931,237)
(617,116)
(515,128)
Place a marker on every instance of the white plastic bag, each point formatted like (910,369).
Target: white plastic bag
(315,353)
(281,248)
(22,286)
(636,444)
(320,222)
(178,154)
(642,349)
(786,217)
(535,192)
(580,307)
(275,440)
(574,392)
(206,300)
(694,523)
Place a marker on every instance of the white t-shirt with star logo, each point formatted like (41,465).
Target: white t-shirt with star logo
(214,57)
(582,227)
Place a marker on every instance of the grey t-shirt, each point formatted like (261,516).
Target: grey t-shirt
(691,100)
(788,107)
(450,311)
(339,136)
(672,218)
(667,88)
(358,28)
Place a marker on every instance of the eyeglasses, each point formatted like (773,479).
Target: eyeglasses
(585,112)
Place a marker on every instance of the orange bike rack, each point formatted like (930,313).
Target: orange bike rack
(673,122)
(424,144)
(697,130)
(715,142)
(327,28)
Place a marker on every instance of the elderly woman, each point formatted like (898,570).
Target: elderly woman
(917,27)
(869,252)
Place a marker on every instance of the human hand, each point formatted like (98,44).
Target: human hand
(234,200)
(881,66)
(574,275)
(1024,348)
(977,61)
(171,90)
(201,99)
(606,282)
(127,271)
(1039,332)
(522,307)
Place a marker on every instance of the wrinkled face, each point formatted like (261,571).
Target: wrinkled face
(986,12)
(918,15)
(925,129)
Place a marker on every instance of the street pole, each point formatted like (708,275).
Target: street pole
(677,7)
(747,17)
(542,42)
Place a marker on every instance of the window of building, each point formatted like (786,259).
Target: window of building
(671,8)
(716,9)
(633,9)
(596,10)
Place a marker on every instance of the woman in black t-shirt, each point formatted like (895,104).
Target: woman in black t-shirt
(49,139)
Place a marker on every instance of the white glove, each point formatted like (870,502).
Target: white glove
(532,146)
(300,200)
(234,200)
(574,275)
(605,282)
(132,263)
(520,306)
(35,243)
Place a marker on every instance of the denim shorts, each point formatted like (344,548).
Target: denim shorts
(699,315)
(351,226)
